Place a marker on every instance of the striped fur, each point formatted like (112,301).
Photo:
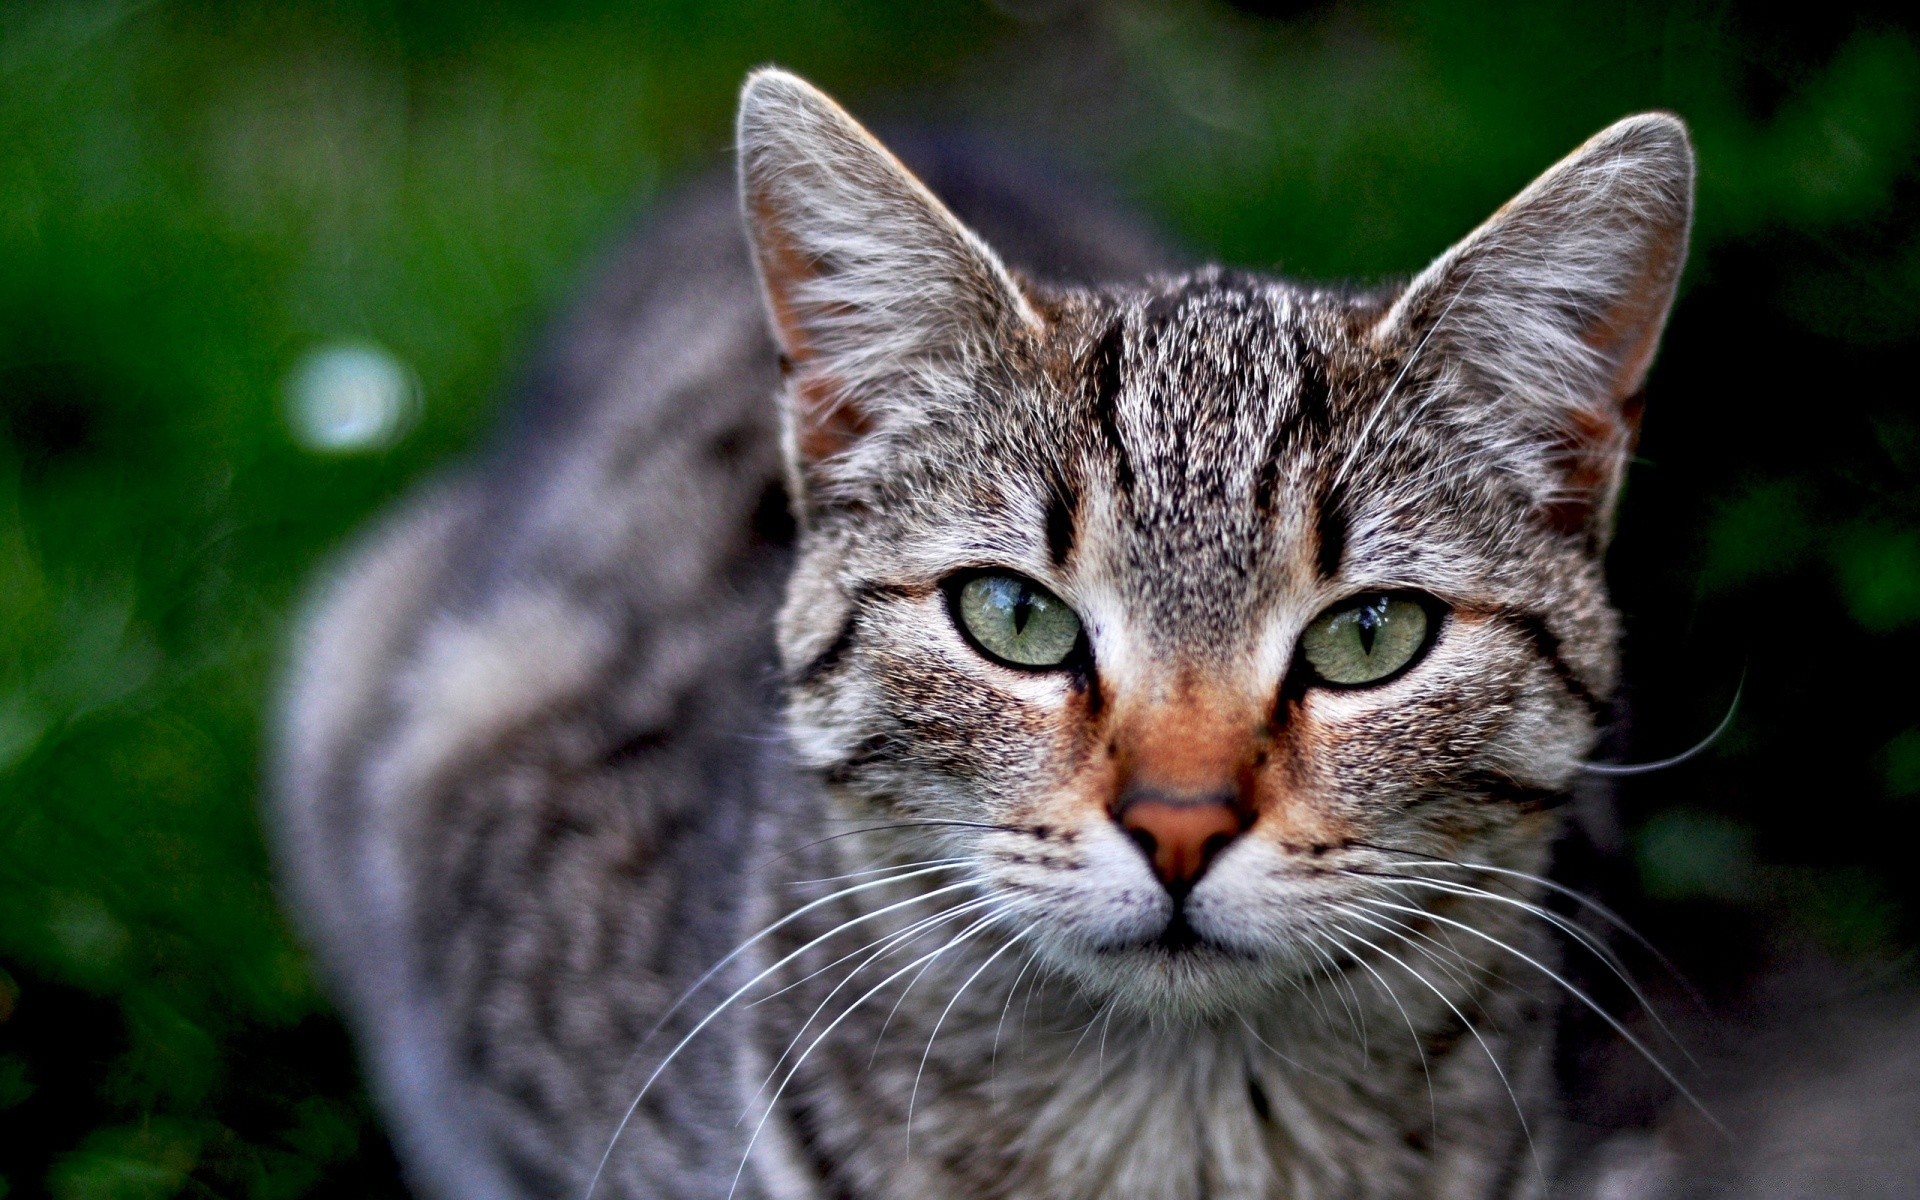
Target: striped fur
(584,722)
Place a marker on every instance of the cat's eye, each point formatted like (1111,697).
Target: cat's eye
(1014,620)
(1366,640)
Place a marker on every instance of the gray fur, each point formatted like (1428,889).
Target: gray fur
(549,754)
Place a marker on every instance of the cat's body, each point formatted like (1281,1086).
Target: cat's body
(550,757)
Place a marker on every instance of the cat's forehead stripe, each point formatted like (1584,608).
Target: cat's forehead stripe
(1104,365)
(1207,401)
(1330,532)
(1207,388)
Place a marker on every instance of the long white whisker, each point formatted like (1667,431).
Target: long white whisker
(1445,942)
(1588,941)
(1433,1104)
(993,1056)
(884,939)
(1026,1006)
(1316,997)
(773,1103)
(1278,1053)
(626,1118)
(875,951)
(1401,925)
(1335,976)
(1100,1058)
(1088,1028)
(1694,751)
(1512,1096)
(931,862)
(901,999)
(1618,922)
(914,1095)
(1451,971)
(1591,1004)
(927,827)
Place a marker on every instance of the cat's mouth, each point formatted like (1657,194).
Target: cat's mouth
(1178,939)
(1179,934)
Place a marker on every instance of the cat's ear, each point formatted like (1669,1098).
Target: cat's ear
(1551,311)
(880,299)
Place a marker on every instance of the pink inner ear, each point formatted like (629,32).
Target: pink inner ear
(782,266)
(827,419)
(1590,452)
(1630,333)
(1595,443)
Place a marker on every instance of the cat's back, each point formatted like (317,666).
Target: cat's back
(498,768)
(514,773)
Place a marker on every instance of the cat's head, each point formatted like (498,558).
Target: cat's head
(1186,599)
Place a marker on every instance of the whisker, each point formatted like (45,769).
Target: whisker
(1316,998)
(1476,974)
(1453,976)
(773,1103)
(874,951)
(1612,918)
(1419,1048)
(930,862)
(1088,1028)
(1582,937)
(993,1056)
(626,1118)
(1493,1059)
(1100,1058)
(1589,1002)
(901,999)
(914,1095)
(795,915)
(1451,888)
(927,823)
(1026,1006)
(1691,752)
(896,935)
(1278,1053)
(1334,976)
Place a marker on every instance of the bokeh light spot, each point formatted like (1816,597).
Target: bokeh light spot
(351,398)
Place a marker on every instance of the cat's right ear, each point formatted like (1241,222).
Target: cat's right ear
(881,301)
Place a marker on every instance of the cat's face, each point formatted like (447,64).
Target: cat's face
(1183,606)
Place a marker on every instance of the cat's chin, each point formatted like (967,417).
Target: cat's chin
(1178,974)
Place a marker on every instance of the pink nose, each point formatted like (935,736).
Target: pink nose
(1180,837)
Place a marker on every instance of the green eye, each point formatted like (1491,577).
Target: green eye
(1365,640)
(1017,621)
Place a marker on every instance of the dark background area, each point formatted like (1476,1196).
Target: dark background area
(211,215)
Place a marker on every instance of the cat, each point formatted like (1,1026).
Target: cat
(892,721)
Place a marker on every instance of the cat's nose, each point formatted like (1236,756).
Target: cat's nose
(1180,835)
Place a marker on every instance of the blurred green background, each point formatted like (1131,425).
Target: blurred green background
(196,200)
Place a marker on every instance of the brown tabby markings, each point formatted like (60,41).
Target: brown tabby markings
(532,788)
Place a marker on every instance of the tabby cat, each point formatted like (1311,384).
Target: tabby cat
(896,722)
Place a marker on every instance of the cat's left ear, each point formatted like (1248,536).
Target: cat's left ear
(882,302)
(1550,312)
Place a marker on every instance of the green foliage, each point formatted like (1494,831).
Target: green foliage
(195,197)
(190,198)
(1683,853)
(1902,764)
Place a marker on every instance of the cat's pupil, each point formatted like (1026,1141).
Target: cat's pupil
(1022,609)
(1368,624)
